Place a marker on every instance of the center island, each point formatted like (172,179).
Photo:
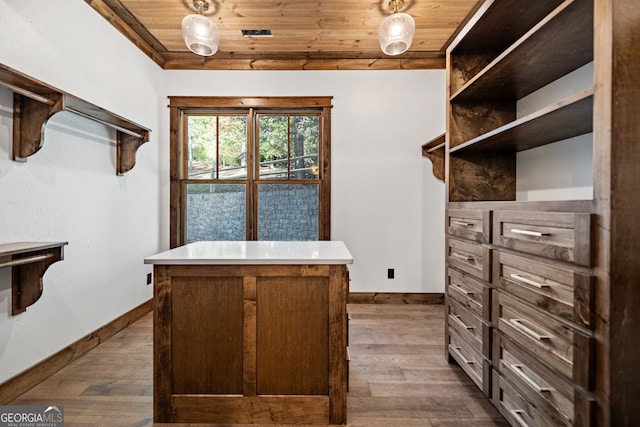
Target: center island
(251,332)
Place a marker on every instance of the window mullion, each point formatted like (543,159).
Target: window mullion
(252,199)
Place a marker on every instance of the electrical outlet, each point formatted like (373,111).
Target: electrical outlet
(149,278)
(391,273)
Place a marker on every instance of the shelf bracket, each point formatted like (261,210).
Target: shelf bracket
(434,150)
(28,262)
(126,148)
(29,119)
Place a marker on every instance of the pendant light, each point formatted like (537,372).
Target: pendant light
(396,31)
(200,33)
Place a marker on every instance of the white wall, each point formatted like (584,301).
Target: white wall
(69,190)
(562,170)
(386,204)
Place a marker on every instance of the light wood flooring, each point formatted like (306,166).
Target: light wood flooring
(398,376)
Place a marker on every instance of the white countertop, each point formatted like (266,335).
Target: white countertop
(255,252)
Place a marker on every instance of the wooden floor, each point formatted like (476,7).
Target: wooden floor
(399,377)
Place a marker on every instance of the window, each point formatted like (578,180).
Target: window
(250,169)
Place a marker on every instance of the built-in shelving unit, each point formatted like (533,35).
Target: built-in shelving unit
(541,298)
(28,261)
(34,103)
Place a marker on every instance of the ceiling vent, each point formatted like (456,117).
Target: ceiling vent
(257,33)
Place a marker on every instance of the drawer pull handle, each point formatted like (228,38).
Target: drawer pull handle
(464,291)
(462,223)
(517,369)
(529,232)
(462,257)
(517,415)
(458,319)
(519,324)
(529,281)
(464,360)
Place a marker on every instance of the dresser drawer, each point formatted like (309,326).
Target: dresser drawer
(471,293)
(470,258)
(559,290)
(543,396)
(561,346)
(517,410)
(470,224)
(555,235)
(469,360)
(469,327)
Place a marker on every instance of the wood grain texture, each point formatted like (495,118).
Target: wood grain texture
(561,42)
(126,149)
(470,224)
(292,336)
(395,298)
(434,150)
(337,343)
(206,335)
(29,117)
(482,177)
(471,258)
(562,291)
(249,337)
(398,376)
(267,338)
(618,302)
(560,405)
(162,363)
(561,235)
(306,35)
(43,370)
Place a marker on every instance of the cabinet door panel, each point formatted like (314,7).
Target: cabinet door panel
(292,326)
(214,367)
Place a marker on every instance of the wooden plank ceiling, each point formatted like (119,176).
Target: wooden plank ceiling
(326,34)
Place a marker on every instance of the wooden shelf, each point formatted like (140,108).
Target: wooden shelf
(434,150)
(499,24)
(565,119)
(557,45)
(28,261)
(34,103)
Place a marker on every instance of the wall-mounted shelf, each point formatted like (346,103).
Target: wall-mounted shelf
(28,261)
(434,150)
(35,102)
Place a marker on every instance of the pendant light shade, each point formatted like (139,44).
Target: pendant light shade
(396,31)
(200,34)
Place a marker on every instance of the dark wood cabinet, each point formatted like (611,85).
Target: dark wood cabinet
(250,344)
(564,310)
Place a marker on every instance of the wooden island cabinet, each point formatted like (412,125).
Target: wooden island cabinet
(251,333)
